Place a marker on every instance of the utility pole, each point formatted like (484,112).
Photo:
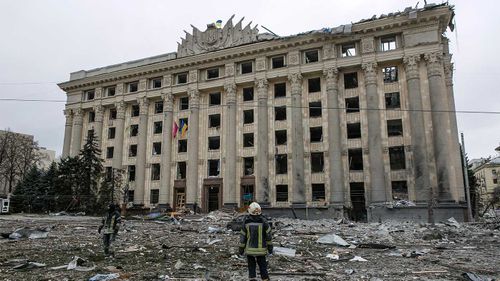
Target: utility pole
(466,176)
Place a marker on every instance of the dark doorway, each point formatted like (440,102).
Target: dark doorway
(179,197)
(358,211)
(212,197)
(247,195)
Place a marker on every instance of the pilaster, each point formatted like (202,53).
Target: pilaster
(141,151)
(77,132)
(262,161)
(68,113)
(166,159)
(192,186)
(230,187)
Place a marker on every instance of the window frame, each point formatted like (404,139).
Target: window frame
(305,56)
(208,70)
(272,59)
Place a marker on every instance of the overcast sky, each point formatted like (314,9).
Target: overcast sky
(43,41)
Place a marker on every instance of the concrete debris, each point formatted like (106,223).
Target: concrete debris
(404,203)
(281,251)
(349,271)
(470,276)
(29,265)
(452,222)
(25,232)
(332,239)
(104,277)
(358,258)
(178,265)
(333,256)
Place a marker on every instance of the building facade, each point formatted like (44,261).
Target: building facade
(487,172)
(343,120)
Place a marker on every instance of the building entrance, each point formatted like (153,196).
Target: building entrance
(212,195)
(358,211)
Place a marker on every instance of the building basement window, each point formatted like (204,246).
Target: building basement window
(281,164)
(349,50)
(131,172)
(280,137)
(317,162)
(315,109)
(388,43)
(214,143)
(353,130)
(390,74)
(111,133)
(397,158)
(213,73)
(281,193)
(316,134)
(278,62)
(280,113)
(181,170)
(318,192)
(248,140)
(183,146)
(182,78)
(279,90)
(246,67)
(133,87)
(399,190)
(135,110)
(350,80)
(155,172)
(155,83)
(184,103)
(214,121)
(352,105)
(392,100)
(213,167)
(134,130)
(215,99)
(314,85)
(109,152)
(158,107)
(248,163)
(394,128)
(248,94)
(157,127)
(355,159)
(154,196)
(132,151)
(248,116)
(156,148)
(91,116)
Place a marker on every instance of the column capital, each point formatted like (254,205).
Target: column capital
(411,66)
(261,85)
(168,101)
(434,62)
(331,76)
(230,89)
(120,109)
(194,98)
(78,116)
(69,116)
(370,69)
(143,105)
(99,110)
(295,83)
(448,72)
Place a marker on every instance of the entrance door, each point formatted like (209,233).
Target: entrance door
(179,198)
(212,195)
(358,211)
(247,195)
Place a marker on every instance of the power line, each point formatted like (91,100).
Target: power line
(29,100)
(25,83)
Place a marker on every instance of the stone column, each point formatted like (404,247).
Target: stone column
(67,132)
(298,186)
(262,163)
(166,154)
(76,135)
(440,123)
(140,165)
(193,143)
(375,154)
(417,127)
(230,187)
(98,110)
(119,134)
(336,169)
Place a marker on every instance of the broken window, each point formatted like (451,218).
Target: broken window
(213,143)
(155,172)
(133,87)
(390,74)
(154,196)
(399,190)
(214,121)
(183,103)
(181,170)
(213,167)
(134,130)
(315,109)
(111,133)
(132,151)
(248,166)
(279,90)
(90,95)
(316,134)
(155,83)
(314,85)
(280,137)
(397,158)
(317,162)
(278,62)
(388,43)
(355,159)
(109,152)
(349,50)
(394,127)
(91,116)
(130,195)
(318,192)
(112,114)
(248,94)
(311,56)
(392,100)
(90,133)
(110,91)
(352,105)
(354,131)
(248,116)
(131,173)
(281,193)
(248,140)
(212,73)
(135,110)
(158,107)
(281,164)
(183,146)
(182,78)
(215,99)
(246,67)
(350,80)
(280,113)
(109,173)
(156,148)
(157,127)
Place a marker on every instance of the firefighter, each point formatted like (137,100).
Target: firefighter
(256,242)
(110,226)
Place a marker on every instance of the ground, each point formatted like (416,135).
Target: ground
(201,248)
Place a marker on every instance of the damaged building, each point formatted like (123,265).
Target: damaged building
(356,120)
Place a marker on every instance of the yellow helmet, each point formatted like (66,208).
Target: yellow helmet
(254,209)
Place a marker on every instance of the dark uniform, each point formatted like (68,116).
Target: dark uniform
(110,225)
(256,242)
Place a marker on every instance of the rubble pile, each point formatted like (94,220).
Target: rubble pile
(201,247)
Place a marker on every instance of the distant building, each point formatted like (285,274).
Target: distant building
(345,120)
(47,156)
(487,174)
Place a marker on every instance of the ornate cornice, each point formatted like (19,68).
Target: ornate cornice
(295,83)
(370,70)
(331,76)
(411,66)
(434,62)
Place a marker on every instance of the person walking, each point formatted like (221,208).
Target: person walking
(110,224)
(256,242)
